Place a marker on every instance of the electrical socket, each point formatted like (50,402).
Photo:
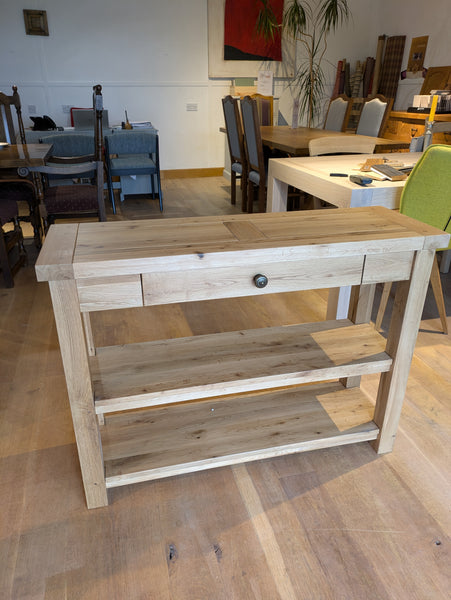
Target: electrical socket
(32,109)
(66,109)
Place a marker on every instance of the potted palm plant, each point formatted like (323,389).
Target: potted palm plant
(309,22)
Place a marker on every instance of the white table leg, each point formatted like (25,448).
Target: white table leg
(277,194)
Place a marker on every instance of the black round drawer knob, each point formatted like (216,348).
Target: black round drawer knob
(260,280)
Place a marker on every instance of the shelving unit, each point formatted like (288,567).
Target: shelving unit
(149,410)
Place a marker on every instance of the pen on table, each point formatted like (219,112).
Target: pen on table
(338,174)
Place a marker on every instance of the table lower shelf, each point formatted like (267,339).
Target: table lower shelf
(165,441)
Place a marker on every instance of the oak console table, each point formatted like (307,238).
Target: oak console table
(149,410)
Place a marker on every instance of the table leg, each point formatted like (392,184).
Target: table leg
(402,335)
(277,195)
(75,361)
(360,308)
(338,303)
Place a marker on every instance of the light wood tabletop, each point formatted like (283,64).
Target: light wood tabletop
(313,175)
(296,141)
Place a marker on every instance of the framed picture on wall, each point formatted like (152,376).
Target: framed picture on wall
(223,41)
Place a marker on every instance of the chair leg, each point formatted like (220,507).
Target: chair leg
(111,191)
(261,198)
(4,262)
(244,191)
(160,192)
(438,294)
(250,196)
(383,304)
(233,187)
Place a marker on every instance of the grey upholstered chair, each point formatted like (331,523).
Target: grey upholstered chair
(254,153)
(338,112)
(133,153)
(374,116)
(76,146)
(235,139)
(83,198)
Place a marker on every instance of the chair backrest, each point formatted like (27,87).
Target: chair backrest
(70,144)
(234,129)
(7,133)
(338,113)
(131,142)
(426,195)
(252,135)
(265,108)
(344,144)
(374,116)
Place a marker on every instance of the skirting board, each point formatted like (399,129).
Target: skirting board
(187,173)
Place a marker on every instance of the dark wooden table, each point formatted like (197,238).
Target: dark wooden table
(24,155)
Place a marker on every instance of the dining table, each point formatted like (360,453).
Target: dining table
(23,156)
(327,178)
(295,141)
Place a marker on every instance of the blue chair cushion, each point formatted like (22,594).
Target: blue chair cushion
(238,168)
(132,164)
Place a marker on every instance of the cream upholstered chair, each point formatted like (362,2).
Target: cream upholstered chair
(426,197)
(374,116)
(338,112)
(343,144)
(235,139)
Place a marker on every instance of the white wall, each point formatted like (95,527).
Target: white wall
(151,57)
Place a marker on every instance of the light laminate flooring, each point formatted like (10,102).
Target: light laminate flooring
(341,523)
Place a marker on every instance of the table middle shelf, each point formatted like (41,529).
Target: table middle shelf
(183,369)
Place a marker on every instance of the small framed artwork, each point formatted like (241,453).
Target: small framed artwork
(36,22)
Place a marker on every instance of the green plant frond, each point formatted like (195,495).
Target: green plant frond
(266,24)
(333,13)
(295,18)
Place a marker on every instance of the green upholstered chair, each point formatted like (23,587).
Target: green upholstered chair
(133,153)
(427,198)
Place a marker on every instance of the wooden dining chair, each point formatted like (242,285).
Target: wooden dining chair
(265,108)
(85,196)
(338,113)
(374,116)
(426,197)
(344,144)
(254,154)
(12,249)
(235,140)
(7,131)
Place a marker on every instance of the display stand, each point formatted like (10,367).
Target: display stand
(150,410)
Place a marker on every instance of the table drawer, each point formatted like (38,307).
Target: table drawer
(229,282)
(393,266)
(107,293)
